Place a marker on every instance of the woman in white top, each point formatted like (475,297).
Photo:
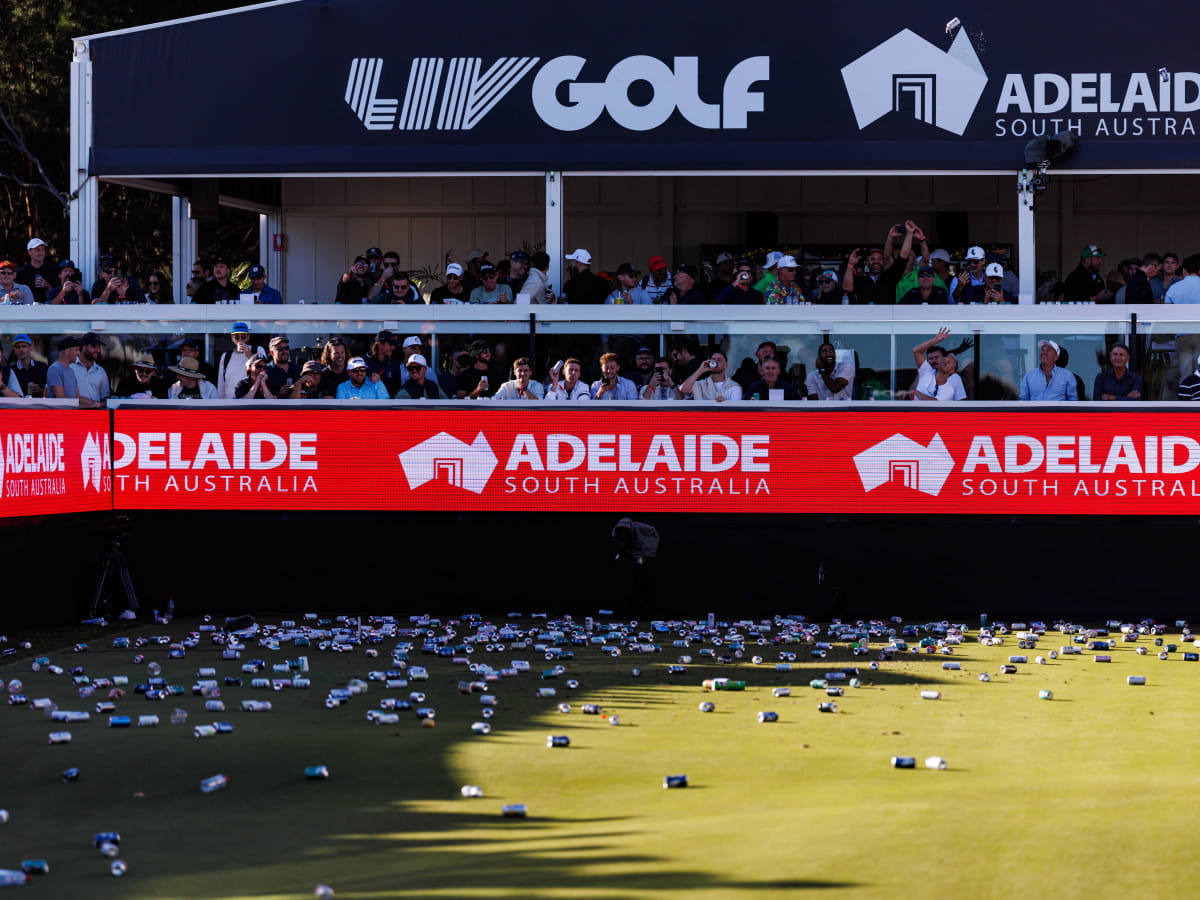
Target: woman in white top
(942,383)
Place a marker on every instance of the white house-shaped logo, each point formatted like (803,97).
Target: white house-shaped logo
(446,458)
(903,460)
(908,74)
(94,460)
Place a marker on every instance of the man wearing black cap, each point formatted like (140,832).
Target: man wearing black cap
(518,270)
(357,284)
(490,290)
(70,289)
(109,266)
(221,289)
(60,380)
(263,292)
(482,379)
(685,291)
(628,291)
(91,381)
(382,363)
(926,290)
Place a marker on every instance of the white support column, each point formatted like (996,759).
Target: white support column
(269,225)
(184,249)
(554,229)
(83,187)
(1026,235)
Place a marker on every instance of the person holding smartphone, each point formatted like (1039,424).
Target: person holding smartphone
(70,287)
(661,386)
(611,386)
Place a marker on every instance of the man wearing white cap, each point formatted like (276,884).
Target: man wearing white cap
(39,273)
(358,386)
(992,289)
(1048,381)
(973,276)
(768,278)
(584,285)
(418,386)
(785,291)
(453,291)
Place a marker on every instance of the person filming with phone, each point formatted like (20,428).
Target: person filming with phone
(611,386)
(661,385)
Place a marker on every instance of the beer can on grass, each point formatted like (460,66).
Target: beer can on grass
(781,692)
(707,706)
(827,707)
(514,811)
(147,721)
(904,762)
(931,695)
(768,717)
(675,781)
(1136,679)
(71,774)
(118,722)
(316,773)
(558,740)
(60,737)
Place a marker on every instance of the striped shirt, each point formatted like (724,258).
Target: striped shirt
(1189,388)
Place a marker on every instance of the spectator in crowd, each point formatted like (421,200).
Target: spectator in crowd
(911,279)
(107,266)
(402,290)
(992,289)
(11,293)
(569,387)
(685,359)
(333,367)
(26,376)
(940,260)
(5,379)
(1048,381)
(1170,270)
(191,383)
(158,290)
(772,380)
(358,386)
(490,290)
(475,260)
(518,271)
(725,275)
(222,288)
(202,269)
(482,379)
(628,291)
(684,290)
(143,383)
(357,285)
(38,274)
(190,348)
(584,286)
(255,384)
(741,292)
(1143,281)
(231,367)
(1085,283)
(70,288)
(660,386)
(460,361)
(1118,279)
(785,291)
(419,385)
(937,371)
(308,385)
(750,370)
(452,291)
(60,377)
(192,287)
(1186,290)
(927,290)
(412,345)
(611,386)
(711,382)
(1011,282)
(1118,382)
(263,292)
(829,379)
(91,381)
(282,373)
(829,290)
(878,283)
(1189,388)
(643,367)
(768,272)
(520,387)
(382,362)
(658,282)
(537,280)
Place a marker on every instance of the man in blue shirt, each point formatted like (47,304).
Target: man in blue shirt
(1048,381)
(263,292)
(357,386)
(612,386)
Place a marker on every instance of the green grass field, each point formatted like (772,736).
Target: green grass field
(1086,795)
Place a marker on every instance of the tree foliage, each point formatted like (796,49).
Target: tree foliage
(35,102)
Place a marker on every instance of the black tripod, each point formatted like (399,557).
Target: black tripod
(114,566)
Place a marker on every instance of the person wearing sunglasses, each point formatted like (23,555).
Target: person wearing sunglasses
(419,386)
(453,291)
(333,363)
(359,385)
(829,289)
(159,291)
(402,290)
(255,385)
(490,290)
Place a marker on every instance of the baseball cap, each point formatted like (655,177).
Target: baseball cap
(685,269)
(721,257)
(642,350)
(360,259)
(21,338)
(627,269)
(581,256)
(994,270)
(829,273)
(187,343)
(7,264)
(373,251)
(67,343)
(772,259)
(416,360)
(90,339)
(787,262)
(35,242)
(485,268)
(476,254)
(279,339)
(943,255)
(356,363)
(66,263)
(257,272)
(239,328)
(385,335)
(925,270)
(656,263)
(311,366)
(454,269)
(519,256)
(974,253)
(1091,250)
(411,341)
(1050,344)
(479,347)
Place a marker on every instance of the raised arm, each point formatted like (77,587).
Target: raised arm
(848,277)
(919,350)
